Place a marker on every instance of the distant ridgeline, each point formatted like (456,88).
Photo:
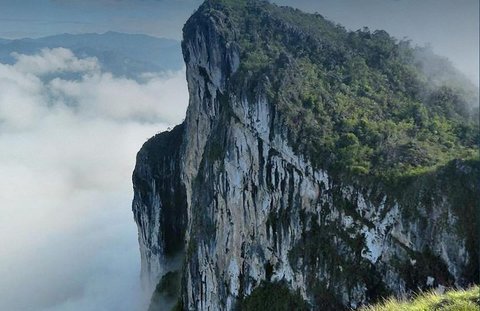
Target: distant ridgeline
(128,55)
(316,168)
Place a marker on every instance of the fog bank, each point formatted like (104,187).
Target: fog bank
(69,134)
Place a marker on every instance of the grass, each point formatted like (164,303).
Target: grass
(455,300)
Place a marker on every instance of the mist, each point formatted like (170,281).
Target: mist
(449,27)
(69,134)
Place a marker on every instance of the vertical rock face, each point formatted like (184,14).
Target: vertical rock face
(159,204)
(227,190)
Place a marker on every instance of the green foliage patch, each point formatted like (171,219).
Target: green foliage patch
(358,103)
(273,297)
(167,292)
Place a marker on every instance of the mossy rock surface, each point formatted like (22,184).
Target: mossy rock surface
(273,297)
(167,293)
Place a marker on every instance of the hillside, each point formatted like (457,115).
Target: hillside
(316,168)
(360,102)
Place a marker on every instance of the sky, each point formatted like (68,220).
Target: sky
(67,146)
(450,26)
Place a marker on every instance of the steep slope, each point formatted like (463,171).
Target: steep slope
(159,203)
(311,159)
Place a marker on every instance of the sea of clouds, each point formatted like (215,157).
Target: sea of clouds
(69,134)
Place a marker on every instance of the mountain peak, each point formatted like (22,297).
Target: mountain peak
(316,168)
(356,82)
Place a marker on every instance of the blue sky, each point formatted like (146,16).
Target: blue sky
(36,18)
(451,26)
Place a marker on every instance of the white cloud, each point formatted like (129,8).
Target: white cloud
(67,236)
(20,95)
(123,99)
(50,61)
(26,98)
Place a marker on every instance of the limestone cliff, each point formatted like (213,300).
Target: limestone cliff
(235,193)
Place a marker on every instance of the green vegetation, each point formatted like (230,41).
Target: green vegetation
(167,292)
(273,297)
(457,300)
(357,103)
(178,306)
(170,284)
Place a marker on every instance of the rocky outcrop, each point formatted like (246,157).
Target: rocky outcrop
(227,192)
(159,205)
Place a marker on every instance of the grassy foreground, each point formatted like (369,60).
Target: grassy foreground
(456,300)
